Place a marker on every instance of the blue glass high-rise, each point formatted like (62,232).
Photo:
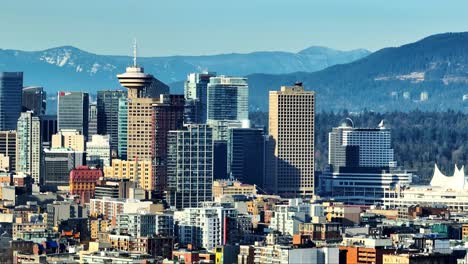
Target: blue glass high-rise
(11,89)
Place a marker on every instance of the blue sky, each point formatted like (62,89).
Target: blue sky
(214,26)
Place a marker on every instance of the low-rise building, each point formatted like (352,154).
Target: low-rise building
(206,227)
(342,213)
(329,232)
(116,257)
(109,208)
(450,191)
(144,224)
(227,187)
(287,217)
(98,225)
(271,254)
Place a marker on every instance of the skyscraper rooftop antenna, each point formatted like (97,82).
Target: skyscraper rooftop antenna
(134,52)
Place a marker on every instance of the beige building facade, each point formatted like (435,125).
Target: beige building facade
(137,171)
(69,138)
(291,127)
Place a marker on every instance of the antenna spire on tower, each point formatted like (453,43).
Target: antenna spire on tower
(134,52)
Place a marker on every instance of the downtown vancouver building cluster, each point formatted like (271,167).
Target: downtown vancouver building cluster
(139,175)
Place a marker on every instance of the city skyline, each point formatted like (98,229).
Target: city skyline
(267,26)
(322,156)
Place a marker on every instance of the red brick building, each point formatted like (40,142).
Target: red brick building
(83,181)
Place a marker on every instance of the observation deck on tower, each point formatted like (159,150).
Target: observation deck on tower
(135,78)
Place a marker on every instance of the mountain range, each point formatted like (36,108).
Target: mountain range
(69,68)
(430,74)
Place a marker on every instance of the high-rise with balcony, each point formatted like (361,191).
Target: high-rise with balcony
(29,145)
(190,166)
(73,111)
(122,128)
(168,114)
(227,98)
(291,126)
(108,114)
(11,86)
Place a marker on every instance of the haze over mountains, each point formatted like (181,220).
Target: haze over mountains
(69,68)
(434,69)
(430,74)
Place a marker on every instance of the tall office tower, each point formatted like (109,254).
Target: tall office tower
(93,121)
(245,155)
(8,147)
(48,128)
(360,147)
(190,166)
(69,138)
(196,94)
(29,145)
(361,165)
(34,99)
(11,87)
(108,114)
(98,151)
(57,165)
(122,128)
(168,114)
(291,125)
(228,98)
(140,127)
(73,111)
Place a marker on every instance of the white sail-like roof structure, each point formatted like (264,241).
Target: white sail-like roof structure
(455,182)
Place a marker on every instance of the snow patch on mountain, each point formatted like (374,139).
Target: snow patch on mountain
(414,77)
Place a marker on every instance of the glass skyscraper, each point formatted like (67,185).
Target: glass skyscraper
(73,111)
(11,89)
(108,114)
(122,128)
(195,89)
(228,98)
(245,154)
(34,99)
